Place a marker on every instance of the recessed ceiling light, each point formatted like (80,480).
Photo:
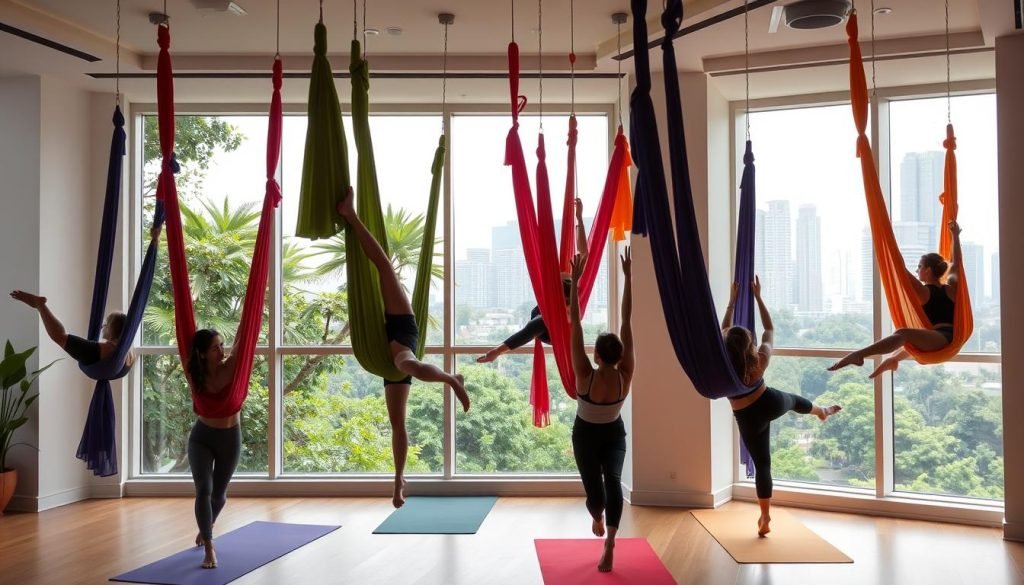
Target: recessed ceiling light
(883,10)
(393,30)
(371,32)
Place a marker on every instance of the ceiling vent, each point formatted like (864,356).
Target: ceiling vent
(223,6)
(812,14)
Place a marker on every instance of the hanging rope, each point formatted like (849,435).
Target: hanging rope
(117,58)
(572,56)
(446,20)
(618,60)
(321,11)
(540,63)
(513,21)
(874,83)
(949,105)
(746,64)
(277,46)
(355,19)
(365,51)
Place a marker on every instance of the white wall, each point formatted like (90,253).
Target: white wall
(19,240)
(69,227)
(1009,97)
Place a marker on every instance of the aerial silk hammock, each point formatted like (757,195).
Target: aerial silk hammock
(904,305)
(229,401)
(98,446)
(325,179)
(683,285)
(536,228)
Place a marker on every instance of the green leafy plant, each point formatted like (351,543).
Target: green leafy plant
(16,398)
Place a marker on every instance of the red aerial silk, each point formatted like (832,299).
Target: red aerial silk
(904,305)
(229,401)
(536,228)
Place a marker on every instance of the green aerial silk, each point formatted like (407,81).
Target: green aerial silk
(365,301)
(325,175)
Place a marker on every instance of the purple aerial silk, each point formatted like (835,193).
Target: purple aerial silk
(98,447)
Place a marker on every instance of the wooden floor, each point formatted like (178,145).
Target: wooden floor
(91,541)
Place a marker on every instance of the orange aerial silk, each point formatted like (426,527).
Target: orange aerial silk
(622,214)
(904,306)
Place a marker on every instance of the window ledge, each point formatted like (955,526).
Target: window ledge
(902,505)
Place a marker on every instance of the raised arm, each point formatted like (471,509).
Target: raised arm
(627,364)
(768,336)
(958,256)
(581,232)
(580,362)
(727,318)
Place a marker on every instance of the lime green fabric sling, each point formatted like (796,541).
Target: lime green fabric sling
(365,301)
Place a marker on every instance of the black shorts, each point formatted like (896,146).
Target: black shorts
(403,329)
(81,350)
(946,331)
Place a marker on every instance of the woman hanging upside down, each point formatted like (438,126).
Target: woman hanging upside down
(535,327)
(756,410)
(599,435)
(82,350)
(939,303)
(403,336)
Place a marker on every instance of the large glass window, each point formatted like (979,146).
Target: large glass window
(814,254)
(334,414)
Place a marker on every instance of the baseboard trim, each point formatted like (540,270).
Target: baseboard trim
(722,496)
(1013,531)
(674,499)
(20,503)
(361,488)
(63,498)
(107,491)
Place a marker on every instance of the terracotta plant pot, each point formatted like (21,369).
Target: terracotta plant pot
(8,480)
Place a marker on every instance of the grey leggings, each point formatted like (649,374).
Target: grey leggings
(755,422)
(213,455)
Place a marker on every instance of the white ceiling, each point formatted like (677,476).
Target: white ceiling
(478,40)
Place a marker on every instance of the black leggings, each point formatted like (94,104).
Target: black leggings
(755,423)
(213,455)
(600,450)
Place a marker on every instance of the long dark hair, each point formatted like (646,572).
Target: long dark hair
(740,346)
(201,342)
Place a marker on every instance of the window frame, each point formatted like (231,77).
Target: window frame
(277,481)
(885,499)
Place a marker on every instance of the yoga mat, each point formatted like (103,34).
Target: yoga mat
(438,515)
(238,552)
(574,562)
(788,542)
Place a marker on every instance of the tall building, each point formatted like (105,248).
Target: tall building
(995,279)
(915,240)
(510,283)
(778,256)
(867,266)
(759,224)
(808,259)
(974,267)
(473,279)
(920,187)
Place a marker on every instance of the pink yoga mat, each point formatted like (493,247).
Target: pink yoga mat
(574,562)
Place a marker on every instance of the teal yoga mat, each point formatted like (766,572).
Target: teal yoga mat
(438,515)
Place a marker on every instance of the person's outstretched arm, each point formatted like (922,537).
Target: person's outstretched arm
(580,362)
(628,362)
(727,318)
(768,336)
(581,232)
(958,256)
(54,328)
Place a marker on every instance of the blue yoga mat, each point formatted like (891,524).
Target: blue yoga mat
(438,515)
(238,552)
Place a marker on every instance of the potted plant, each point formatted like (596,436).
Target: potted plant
(14,402)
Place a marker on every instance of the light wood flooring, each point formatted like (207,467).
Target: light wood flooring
(89,542)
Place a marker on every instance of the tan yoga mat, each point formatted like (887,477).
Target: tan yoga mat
(788,542)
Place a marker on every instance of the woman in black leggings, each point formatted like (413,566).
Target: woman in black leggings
(598,435)
(756,410)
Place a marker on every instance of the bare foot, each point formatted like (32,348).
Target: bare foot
(827,411)
(199,539)
(605,566)
(887,365)
(597,526)
(460,391)
(850,360)
(763,525)
(346,207)
(398,499)
(28,298)
(210,561)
